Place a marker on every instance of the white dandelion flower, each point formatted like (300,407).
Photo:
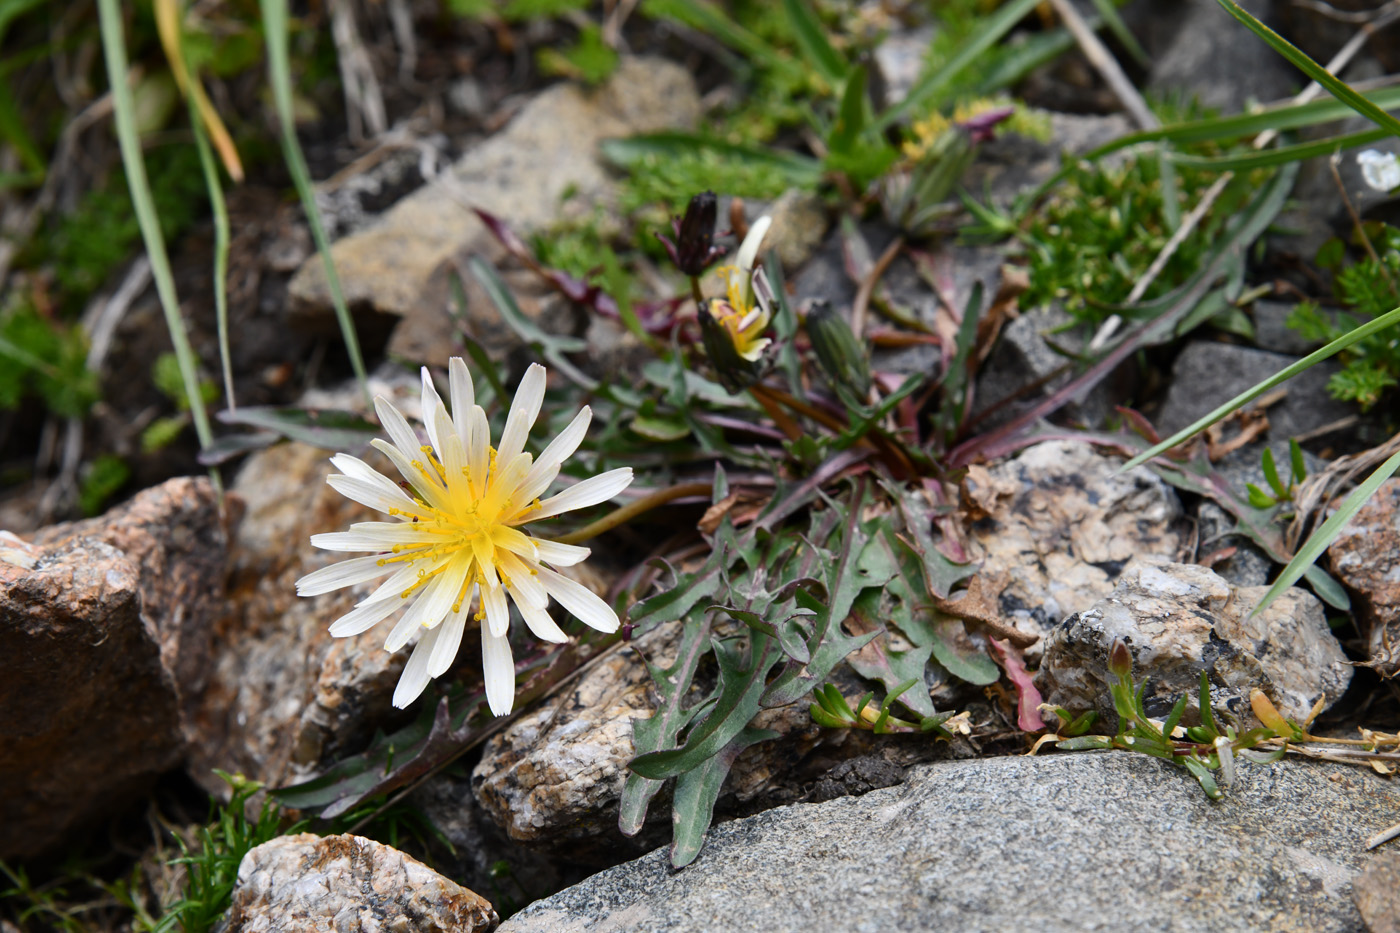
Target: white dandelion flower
(455,536)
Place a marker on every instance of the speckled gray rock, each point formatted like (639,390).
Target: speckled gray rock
(1079,842)
(1377,893)
(310,884)
(400,266)
(1366,557)
(1055,526)
(1180,619)
(1208,374)
(104,636)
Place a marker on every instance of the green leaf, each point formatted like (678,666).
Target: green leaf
(1084,743)
(850,118)
(812,42)
(275,32)
(1277,155)
(799,170)
(1258,497)
(661,428)
(1295,456)
(325,428)
(711,20)
(693,806)
(1339,88)
(1271,475)
(741,684)
(1202,774)
(660,731)
(1174,719)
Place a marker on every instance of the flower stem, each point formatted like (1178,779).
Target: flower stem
(632,510)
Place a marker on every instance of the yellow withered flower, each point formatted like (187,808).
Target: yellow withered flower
(455,539)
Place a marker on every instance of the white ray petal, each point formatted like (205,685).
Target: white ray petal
(450,639)
(560,555)
(398,430)
(372,494)
(462,392)
(432,404)
(498,668)
(524,409)
(405,575)
(591,491)
(364,617)
(580,600)
(543,627)
(416,672)
(354,466)
(748,250)
(478,444)
(558,450)
(524,585)
(535,483)
(340,575)
(426,486)
(377,539)
(428,609)
(493,600)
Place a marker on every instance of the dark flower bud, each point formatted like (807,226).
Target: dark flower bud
(1120,660)
(693,249)
(841,356)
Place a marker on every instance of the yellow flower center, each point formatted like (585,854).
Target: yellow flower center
(475,527)
(743,322)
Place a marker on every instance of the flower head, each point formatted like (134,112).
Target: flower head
(744,313)
(456,540)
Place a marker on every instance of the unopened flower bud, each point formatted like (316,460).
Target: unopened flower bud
(1120,660)
(841,356)
(693,249)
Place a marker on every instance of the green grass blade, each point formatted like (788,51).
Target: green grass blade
(812,41)
(1121,32)
(124,112)
(925,92)
(279,74)
(1341,343)
(1266,158)
(1339,88)
(711,20)
(1323,537)
(221,241)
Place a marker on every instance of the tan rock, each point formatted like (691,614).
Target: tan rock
(309,884)
(1056,525)
(1376,892)
(104,639)
(523,174)
(1366,557)
(1181,619)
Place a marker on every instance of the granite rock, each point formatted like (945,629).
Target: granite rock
(309,884)
(1055,526)
(1366,557)
(401,265)
(1208,374)
(104,638)
(1097,841)
(1377,893)
(1181,619)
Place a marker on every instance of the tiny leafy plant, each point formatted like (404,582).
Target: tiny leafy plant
(1203,750)
(1368,289)
(211,860)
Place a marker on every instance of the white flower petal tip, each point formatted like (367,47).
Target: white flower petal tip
(748,250)
(455,538)
(1380,170)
